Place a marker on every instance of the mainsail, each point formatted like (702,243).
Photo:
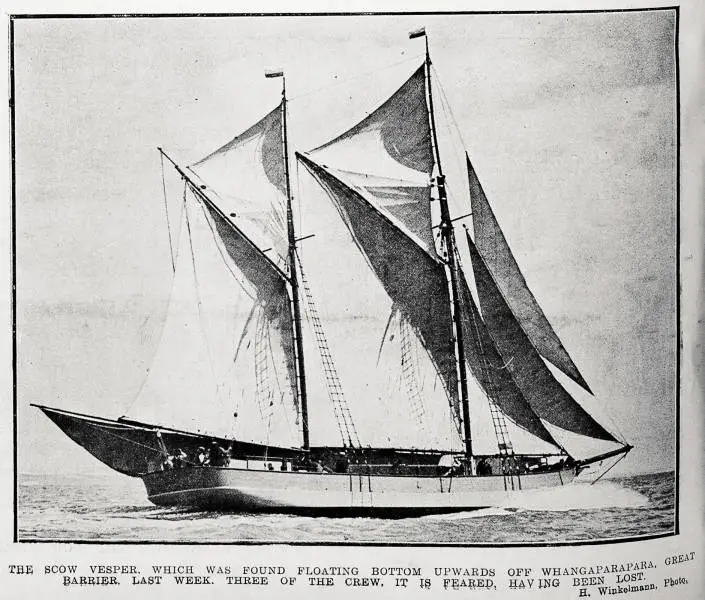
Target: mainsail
(378,175)
(413,279)
(249,177)
(547,398)
(493,247)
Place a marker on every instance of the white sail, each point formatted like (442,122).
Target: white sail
(204,377)
(248,179)
(389,156)
(355,308)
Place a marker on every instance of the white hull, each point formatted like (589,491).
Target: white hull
(247,490)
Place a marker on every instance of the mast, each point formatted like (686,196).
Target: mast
(446,229)
(293,278)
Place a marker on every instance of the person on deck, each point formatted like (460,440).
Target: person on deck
(180,459)
(201,456)
(484,467)
(219,457)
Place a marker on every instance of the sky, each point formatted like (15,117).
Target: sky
(569,121)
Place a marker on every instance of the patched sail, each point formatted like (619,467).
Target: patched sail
(489,369)
(248,177)
(414,280)
(495,251)
(547,398)
(406,202)
(389,156)
(269,281)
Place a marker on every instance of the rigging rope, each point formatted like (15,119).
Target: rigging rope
(297,209)
(447,111)
(198,294)
(455,408)
(446,102)
(341,411)
(409,370)
(263,394)
(175,258)
(161,333)
(354,77)
(619,459)
(166,210)
(159,450)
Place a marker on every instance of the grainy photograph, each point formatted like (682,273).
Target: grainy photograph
(362,279)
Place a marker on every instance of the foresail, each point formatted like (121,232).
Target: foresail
(414,281)
(248,176)
(224,365)
(389,155)
(268,281)
(547,398)
(495,251)
(491,372)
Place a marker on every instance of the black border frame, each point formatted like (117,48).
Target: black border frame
(679,347)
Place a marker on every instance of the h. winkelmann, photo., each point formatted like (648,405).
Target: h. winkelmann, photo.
(346,279)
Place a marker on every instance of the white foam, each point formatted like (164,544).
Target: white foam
(604,494)
(577,496)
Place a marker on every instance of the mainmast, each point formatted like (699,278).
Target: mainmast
(293,276)
(448,237)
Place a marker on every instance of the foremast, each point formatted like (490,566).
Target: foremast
(448,240)
(290,278)
(293,276)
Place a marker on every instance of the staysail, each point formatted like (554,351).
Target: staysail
(489,369)
(547,398)
(498,257)
(413,279)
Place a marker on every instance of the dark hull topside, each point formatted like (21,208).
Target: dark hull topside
(138,450)
(134,448)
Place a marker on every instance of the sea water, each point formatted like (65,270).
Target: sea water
(73,508)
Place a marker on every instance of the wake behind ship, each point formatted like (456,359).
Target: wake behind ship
(459,360)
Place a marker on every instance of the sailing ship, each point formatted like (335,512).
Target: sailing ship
(245,392)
